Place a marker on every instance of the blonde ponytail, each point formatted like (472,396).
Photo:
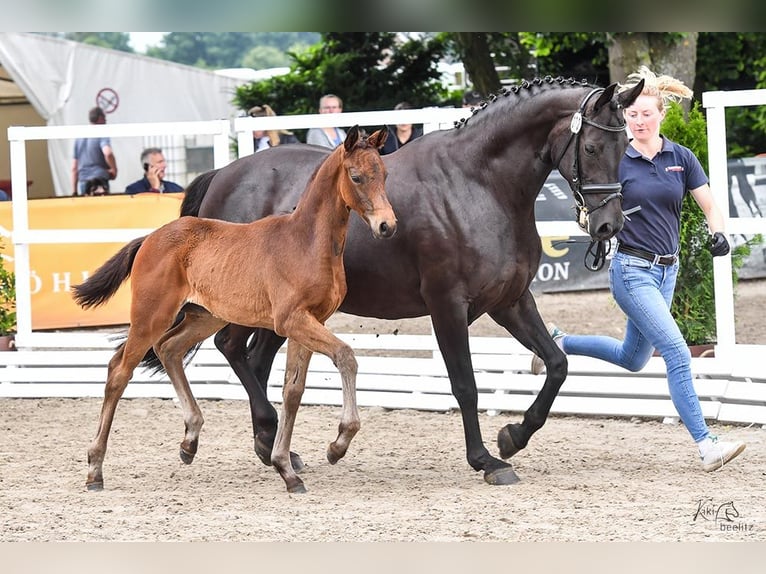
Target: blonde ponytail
(665,88)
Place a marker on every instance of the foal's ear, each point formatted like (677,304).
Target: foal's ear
(351,138)
(378,138)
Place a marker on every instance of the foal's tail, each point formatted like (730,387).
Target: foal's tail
(195,193)
(103,284)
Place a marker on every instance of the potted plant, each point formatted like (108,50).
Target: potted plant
(694,299)
(7,307)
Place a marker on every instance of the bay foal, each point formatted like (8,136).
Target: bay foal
(283,272)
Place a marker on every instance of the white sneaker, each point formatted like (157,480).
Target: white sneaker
(719,453)
(538,366)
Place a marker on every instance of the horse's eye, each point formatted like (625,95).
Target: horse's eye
(590,149)
(356,179)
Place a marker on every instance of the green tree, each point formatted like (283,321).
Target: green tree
(262,57)
(114,40)
(369,71)
(224,49)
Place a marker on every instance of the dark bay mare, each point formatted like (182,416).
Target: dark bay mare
(284,273)
(467,242)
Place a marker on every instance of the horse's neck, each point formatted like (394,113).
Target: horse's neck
(513,139)
(322,208)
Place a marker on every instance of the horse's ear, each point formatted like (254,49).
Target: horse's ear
(627,97)
(378,138)
(351,138)
(605,97)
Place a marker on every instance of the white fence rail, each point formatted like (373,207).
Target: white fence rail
(410,375)
(731,386)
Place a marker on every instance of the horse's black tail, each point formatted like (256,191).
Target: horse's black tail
(195,193)
(151,362)
(103,284)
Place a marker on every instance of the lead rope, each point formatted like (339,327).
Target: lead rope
(598,250)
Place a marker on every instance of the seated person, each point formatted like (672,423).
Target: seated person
(271,138)
(327,137)
(154,175)
(400,134)
(96,186)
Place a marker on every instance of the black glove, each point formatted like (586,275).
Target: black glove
(718,244)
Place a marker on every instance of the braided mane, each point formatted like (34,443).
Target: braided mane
(547,81)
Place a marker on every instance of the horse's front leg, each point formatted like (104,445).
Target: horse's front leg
(196,326)
(451,329)
(296,368)
(523,321)
(252,365)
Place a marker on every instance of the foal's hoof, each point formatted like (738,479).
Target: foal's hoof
(505,442)
(95,486)
(501,476)
(186,457)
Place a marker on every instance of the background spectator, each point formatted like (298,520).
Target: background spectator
(327,137)
(401,134)
(269,138)
(93,157)
(154,181)
(472,98)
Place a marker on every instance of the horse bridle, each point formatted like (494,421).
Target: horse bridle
(579,191)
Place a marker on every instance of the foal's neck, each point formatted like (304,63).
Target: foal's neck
(322,207)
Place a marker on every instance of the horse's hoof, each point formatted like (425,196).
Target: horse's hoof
(298,488)
(95,486)
(186,457)
(262,451)
(297,462)
(501,476)
(505,443)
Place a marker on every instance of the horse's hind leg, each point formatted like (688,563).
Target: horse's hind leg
(297,365)
(196,326)
(120,371)
(523,321)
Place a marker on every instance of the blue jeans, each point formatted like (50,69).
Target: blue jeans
(644,292)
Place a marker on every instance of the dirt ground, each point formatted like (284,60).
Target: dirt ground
(405,477)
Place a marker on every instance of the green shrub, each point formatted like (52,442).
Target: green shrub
(7,299)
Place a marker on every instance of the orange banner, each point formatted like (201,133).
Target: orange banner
(55,268)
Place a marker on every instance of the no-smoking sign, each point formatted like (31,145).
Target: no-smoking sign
(108,100)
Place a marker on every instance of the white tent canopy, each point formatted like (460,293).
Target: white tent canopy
(64,79)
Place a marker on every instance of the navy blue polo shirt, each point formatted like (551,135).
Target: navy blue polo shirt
(658,186)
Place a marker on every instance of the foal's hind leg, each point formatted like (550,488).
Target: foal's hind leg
(196,326)
(120,371)
(523,321)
